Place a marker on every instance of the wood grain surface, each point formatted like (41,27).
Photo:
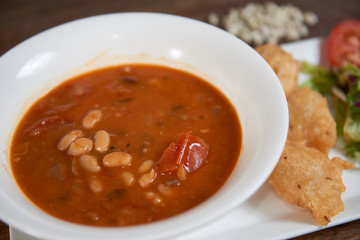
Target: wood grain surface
(21,19)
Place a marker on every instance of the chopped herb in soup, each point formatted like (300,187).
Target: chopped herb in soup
(126,145)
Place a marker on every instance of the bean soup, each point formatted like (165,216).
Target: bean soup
(126,145)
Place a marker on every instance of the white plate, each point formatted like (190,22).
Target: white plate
(267,216)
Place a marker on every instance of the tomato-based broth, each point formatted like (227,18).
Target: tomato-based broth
(126,145)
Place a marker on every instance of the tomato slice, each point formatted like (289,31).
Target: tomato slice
(188,150)
(344,44)
(43,124)
(196,154)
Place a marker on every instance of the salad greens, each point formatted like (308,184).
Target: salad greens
(343,87)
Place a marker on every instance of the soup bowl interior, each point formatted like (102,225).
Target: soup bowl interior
(42,62)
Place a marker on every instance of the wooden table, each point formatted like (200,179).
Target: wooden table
(21,19)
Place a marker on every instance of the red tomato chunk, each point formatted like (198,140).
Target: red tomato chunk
(188,150)
(344,44)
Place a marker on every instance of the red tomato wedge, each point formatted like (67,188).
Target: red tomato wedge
(344,44)
(188,150)
(42,125)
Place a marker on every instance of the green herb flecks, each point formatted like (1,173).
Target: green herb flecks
(124,100)
(117,194)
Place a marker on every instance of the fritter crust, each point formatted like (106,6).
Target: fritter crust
(311,120)
(284,65)
(307,178)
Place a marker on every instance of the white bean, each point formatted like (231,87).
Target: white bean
(90,163)
(127,178)
(146,166)
(164,189)
(155,198)
(95,185)
(80,146)
(91,118)
(68,138)
(117,159)
(102,141)
(147,178)
(181,172)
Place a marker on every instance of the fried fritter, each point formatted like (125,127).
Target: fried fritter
(307,178)
(304,175)
(310,120)
(284,65)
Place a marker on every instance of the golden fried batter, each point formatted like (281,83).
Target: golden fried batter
(304,175)
(307,178)
(311,120)
(284,65)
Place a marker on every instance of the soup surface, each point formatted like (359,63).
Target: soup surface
(126,145)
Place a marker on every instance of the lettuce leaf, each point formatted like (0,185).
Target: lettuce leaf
(320,80)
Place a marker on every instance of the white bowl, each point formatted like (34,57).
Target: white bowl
(35,66)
